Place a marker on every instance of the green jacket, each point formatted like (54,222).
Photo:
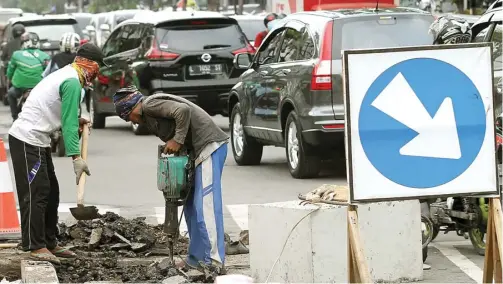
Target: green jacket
(26,67)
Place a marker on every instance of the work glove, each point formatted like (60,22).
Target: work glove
(80,167)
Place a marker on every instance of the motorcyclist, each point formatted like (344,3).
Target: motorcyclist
(450,30)
(14,44)
(261,35)
(25,69)
(68,46)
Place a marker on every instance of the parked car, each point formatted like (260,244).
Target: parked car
(94,29)
(83,20)
(250,25)
(489,29)
(189,54)
(5,15)
(291,94)
(112,19)
(49,29)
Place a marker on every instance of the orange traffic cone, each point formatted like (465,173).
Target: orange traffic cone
(9,222)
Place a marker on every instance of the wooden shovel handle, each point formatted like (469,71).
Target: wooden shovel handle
(83,154)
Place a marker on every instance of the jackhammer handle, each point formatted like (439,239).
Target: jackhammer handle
(83,154)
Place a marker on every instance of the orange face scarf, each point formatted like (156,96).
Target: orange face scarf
(87,69)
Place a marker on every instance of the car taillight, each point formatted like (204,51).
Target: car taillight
(82,41)
(322,71)
(103,79)
(155,53)
(333,126)
(248,49)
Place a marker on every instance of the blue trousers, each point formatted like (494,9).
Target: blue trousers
(204,213)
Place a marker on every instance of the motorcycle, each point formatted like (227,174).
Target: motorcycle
(22,99)
(467,216)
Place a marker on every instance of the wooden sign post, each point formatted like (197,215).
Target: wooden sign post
(492,264)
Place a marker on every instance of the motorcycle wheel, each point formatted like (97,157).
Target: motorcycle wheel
(477,239)
(61,147)
(427,230)
(436,230)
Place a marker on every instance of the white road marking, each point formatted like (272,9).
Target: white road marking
(461,261)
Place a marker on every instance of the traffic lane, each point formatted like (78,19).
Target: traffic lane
(124,167)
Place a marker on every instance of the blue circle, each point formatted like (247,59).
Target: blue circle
(382,136)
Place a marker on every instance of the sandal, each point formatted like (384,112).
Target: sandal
(63,252)
(44,256)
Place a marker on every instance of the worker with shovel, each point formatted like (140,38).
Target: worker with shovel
(180,123)
(53,104)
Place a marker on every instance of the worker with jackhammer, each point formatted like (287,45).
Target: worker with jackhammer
(180,123)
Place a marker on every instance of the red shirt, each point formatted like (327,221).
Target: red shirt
(259,38)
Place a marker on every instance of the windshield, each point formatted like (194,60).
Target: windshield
(194,38)
(385,32)
(83,22)
(251,27)
(119,18)
(51,32)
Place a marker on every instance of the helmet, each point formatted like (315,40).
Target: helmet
(18,30)
(69,42)
(30,40)
(450,30)
(269,18)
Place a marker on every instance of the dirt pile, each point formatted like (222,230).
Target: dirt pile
(102,243)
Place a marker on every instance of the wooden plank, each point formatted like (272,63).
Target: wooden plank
(487,276)
(495,205)
(8,245)
(498,227)
(356,247)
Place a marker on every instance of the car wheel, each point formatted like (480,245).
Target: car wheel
(301,162)
(99,121)
(246,150)
(139,129)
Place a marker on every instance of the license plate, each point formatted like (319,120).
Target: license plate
(207,69)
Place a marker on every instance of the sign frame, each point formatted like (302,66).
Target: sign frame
(347,114)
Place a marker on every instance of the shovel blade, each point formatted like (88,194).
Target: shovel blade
(84,212)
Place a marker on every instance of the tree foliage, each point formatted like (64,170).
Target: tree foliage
(41,6)
(97,6)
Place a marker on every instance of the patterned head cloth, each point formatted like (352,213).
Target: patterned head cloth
(125,100)
(87,69)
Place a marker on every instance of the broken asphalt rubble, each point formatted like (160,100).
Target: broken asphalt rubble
(103,245)
(112,248)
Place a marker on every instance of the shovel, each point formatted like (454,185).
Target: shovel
(82,212)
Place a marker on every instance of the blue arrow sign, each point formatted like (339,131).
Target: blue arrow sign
(422,123)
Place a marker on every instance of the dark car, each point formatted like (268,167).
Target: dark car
(189,54)
(489,29)
(291,95)
(49,29)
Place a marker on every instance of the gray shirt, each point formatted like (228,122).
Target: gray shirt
(173,117)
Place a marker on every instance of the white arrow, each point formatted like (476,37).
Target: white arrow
(437,137)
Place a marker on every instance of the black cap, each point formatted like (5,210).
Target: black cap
(91,52)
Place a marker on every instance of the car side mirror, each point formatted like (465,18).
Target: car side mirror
(242,61)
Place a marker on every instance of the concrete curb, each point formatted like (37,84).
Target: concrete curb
(38,272)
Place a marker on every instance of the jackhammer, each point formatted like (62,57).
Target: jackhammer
(175,176)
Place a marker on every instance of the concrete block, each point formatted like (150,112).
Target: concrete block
(38,272)
(391,236)
(316,251)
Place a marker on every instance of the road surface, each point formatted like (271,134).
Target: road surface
(123,180)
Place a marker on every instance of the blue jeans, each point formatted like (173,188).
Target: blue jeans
(13,95)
